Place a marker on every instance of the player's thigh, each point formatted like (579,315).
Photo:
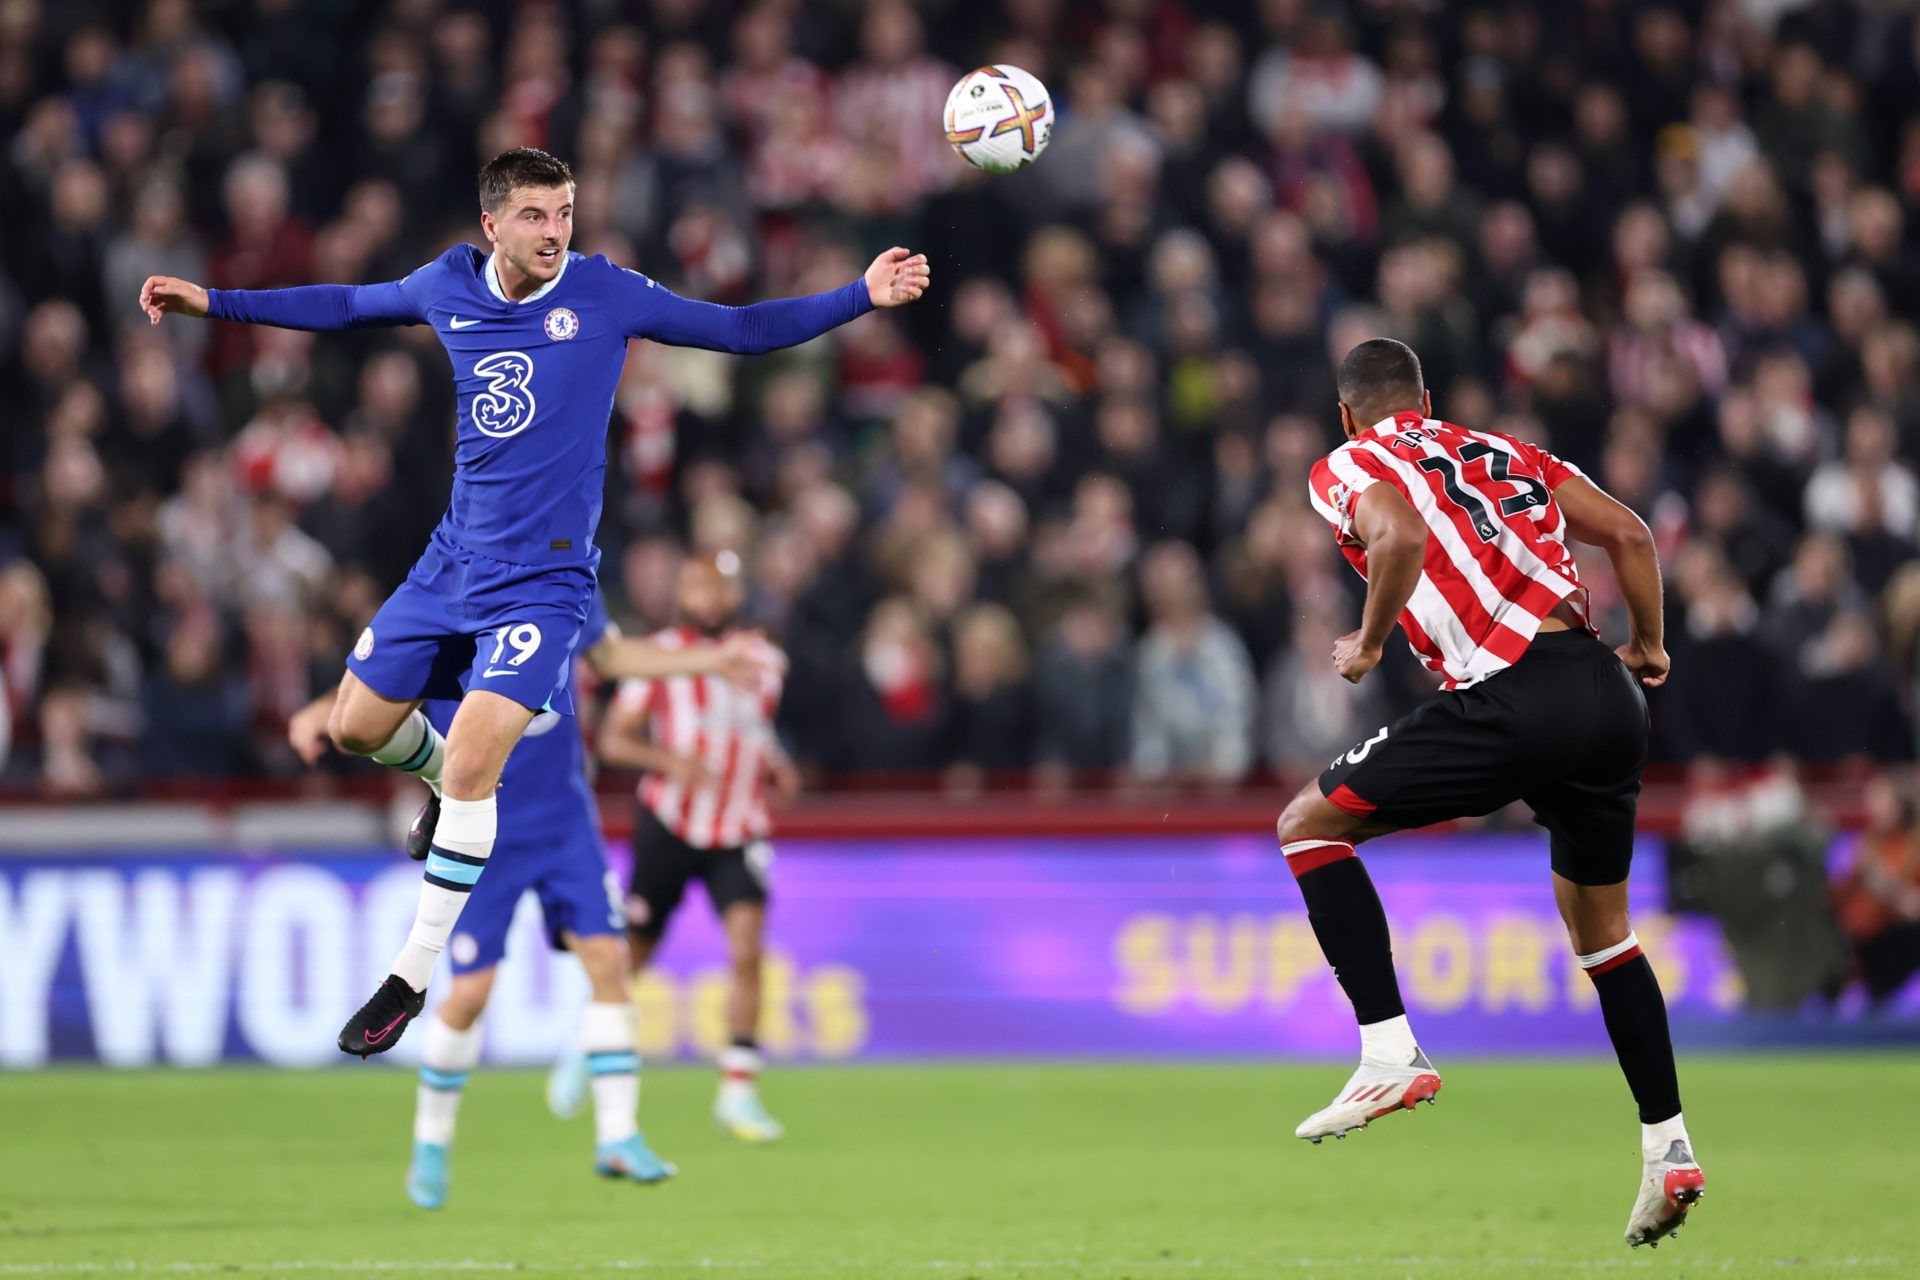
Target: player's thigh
(524,626)
(1590,828)
(363,719)
(662,865)
(414,647)
(1311,816)
(481,737)
(741,877)
(1453,756)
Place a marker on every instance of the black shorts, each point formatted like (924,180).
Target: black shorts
(1564,729)
(663,863)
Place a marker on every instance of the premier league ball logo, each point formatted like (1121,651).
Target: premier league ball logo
(562,324)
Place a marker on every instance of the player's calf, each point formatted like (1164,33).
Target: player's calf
(462,845)
(445,1060)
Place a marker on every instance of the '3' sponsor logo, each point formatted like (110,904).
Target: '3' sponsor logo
(505,406)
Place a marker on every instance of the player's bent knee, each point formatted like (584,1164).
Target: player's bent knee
(350,738)
(1308,816)
(469,773)
(604,957)
(346,735)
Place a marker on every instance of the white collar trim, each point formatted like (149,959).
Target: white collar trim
(493,283)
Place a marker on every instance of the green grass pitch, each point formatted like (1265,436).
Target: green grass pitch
(1148,1172)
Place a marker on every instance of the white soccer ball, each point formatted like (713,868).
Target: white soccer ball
(999,118)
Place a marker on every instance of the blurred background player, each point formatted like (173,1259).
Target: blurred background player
(554,848)
(710,754)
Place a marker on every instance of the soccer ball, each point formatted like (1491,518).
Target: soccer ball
(999,118)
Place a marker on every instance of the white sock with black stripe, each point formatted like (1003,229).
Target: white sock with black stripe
(416,747)
(607,1038)
(445,1060)
(461,845)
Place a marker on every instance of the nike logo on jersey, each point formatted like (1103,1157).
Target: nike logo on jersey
(491,672)
(455,322)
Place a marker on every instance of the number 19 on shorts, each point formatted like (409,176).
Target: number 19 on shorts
(523,638)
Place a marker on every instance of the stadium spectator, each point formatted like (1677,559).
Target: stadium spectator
(1878,899)
(1677,245)
(1194,695)
(993,700)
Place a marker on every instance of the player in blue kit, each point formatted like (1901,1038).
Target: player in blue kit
(537,336)
(551,845)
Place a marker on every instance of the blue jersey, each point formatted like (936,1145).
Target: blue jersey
(536,378)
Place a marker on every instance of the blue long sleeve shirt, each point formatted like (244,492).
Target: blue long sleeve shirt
(535,379)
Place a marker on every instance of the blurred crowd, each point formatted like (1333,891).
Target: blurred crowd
(1052,517)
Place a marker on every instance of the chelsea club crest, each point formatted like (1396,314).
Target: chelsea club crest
(562,324)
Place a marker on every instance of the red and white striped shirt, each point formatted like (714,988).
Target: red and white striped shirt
(727,728)
(1497,560)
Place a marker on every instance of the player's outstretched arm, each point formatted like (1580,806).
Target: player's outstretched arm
(1596,518)
(1395,537)
(312,306)
(738,659)
(895,279)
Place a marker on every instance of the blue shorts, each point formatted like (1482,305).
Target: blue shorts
(564,862)
(462,621)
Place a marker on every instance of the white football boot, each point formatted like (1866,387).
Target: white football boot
(1669,1187)
(1373,1091)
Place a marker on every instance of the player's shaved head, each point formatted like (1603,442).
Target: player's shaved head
(712,588)
(1379,378)
(516,168)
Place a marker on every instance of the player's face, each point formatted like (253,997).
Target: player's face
(532,230)
(708,598)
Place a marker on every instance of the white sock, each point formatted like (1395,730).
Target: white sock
(739,1072)
(1658,1139)
(1595,959)
(1389,1043)
(607,1038)
(445,1059)
(461,844)
(416,747)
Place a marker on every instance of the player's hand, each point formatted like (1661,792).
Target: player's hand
(1352,659)
(744,660)
(897,278)
(688,771)
(161,294)
(1649,665)
(785,780)
(307,733)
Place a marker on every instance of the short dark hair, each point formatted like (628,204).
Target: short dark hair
(1379,371)
(520,167)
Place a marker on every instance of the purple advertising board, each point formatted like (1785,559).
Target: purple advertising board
(1188,946)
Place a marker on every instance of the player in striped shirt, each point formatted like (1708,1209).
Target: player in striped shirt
(711,757)
(1462,537)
